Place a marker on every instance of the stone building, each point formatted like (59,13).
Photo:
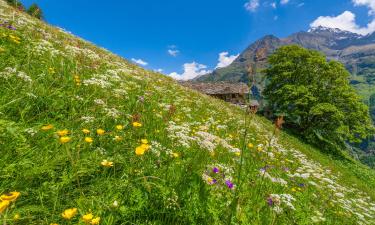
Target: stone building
(235,93)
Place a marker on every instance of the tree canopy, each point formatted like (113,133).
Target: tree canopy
(316,98)
(35,11)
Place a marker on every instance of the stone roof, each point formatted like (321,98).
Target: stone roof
(215,88)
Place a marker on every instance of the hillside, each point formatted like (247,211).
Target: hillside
(88,138)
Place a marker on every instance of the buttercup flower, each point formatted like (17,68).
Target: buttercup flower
(140,150)
(144,141)
(12,196)
(250,145)
(87,218)
(106,163)
(137,124)
(64,140)
(62,133)
(100,131)
(119,127)
(47,127)
(175,154)
(95,221)
(69,213)
(86,131)
(88,139)
(4,205)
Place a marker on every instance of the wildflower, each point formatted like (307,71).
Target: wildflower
(65,139)
(100,131)
(47,127)
(86,131)
(237,153)
(144,141)
(118,138)
(137,124)
(12,196)
(215,170)
(140,150)
(4,205)
(107,163)
(88,139)
(95,221)
(175,154)
(87,218)
(62,133)
(16,217)
(53,224)
(250,145)
(119,127)
(69,213)
(259,148)
(229,184)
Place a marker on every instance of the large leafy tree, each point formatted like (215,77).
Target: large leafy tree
(315,96)
(35,11)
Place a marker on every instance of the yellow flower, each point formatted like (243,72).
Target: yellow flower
(259,148)
(53,224)
(144,141)
(65,139)
(136,124)
(100,131)
(139,150)
(62,133)
(238,153)
(87,218)
(88,139)
(118,138)
(175,154)
(47,127)
(250,145)
(4,205)
(119,127)
(86,131)
(12,196)
(294,190)
(69,213)
(16,217)
(52,70)
(95,221)
(106,163)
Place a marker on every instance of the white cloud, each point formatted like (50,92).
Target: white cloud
(368,3)
(191,70)
(225,59)
(345,21)
(173,52)
(284,2)
(140,62)
(252,5)
(273,5)
(159,70)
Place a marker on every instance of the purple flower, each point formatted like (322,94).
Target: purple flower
(270,201)
(301,185)
(214,181)
(229,184)
(215,170)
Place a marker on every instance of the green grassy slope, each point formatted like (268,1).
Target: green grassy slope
(204,161)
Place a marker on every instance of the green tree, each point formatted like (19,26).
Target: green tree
(315,96)
(35,11)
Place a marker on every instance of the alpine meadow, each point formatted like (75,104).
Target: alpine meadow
(86,137)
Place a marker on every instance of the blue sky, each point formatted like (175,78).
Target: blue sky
(186,37)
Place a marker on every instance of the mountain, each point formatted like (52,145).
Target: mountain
(88,138)
(357,52)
